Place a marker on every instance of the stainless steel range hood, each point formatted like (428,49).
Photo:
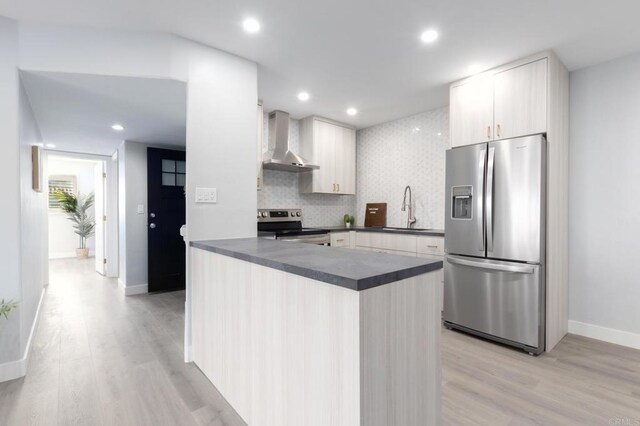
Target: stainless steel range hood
(278,156)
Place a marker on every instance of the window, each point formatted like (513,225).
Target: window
(174,173)
(62,183)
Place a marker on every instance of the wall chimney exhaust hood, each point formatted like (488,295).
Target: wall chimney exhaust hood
(278,156)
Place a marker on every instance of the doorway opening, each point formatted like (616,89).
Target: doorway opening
(77,207)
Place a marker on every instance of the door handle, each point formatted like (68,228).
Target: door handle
(525,269)
(479,197)
(490,166)
(152,226)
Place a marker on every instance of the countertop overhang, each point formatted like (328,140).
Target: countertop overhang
(348,268)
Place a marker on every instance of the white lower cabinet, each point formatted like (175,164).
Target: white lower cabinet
(404,245)
(340,239)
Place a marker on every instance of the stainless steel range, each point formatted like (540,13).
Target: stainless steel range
(286,225)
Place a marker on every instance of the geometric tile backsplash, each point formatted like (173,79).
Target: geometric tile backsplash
(408,151)
(280,190)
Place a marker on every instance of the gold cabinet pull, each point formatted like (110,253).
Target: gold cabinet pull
(338,187)
(334,187)
(498,130)
(488,132)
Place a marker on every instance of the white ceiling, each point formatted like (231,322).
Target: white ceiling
(75,111)
(367,53)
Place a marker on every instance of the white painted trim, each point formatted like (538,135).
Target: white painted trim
(18,368)
(132,290)
(611,335)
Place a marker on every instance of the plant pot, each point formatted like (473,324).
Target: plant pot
(348,224)
(82,253)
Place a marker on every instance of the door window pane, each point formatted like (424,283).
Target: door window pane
(181,167)
(169,166)
(181,180)
(168,179)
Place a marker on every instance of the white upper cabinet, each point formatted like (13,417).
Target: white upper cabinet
(345,160)
(500,105)
(471,111)
(520,96)
(331,146)
(259,136)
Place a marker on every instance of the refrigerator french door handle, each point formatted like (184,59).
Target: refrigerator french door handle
(525,269)
(489,210)
(479,206)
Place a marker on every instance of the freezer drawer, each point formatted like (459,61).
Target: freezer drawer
(496,299)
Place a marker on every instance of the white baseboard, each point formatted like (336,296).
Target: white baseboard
(611,335)
(67,255)
(18,368)
(132,290)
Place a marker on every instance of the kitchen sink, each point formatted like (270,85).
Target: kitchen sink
(390,228)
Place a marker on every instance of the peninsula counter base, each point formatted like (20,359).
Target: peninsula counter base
(288,350)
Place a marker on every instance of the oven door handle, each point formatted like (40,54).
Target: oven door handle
(320,239)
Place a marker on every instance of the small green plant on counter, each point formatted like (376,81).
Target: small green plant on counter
(6,307)
(348,220)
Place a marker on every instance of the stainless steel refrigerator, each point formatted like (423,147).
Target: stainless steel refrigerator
(495,241)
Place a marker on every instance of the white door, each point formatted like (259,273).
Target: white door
(324,138)
(521,100)
(345,154)
(99,214)
(472,112)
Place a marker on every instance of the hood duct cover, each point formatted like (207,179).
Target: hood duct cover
(278,156)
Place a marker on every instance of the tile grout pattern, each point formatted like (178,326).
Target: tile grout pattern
(99,359)
(407,151)
(281,190)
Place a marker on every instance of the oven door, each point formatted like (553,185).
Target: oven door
(319,239)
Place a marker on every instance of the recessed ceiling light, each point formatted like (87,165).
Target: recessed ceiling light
(429,36)
(303,96)
(475,68)
(50,145)
(352,111)
(117,127)
(439,134)
(251,25)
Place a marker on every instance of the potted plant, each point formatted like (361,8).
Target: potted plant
(6,307)
(77,209)
(348,220)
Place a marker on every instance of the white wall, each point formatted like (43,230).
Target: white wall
(222,95)
(604,213)
(408,151)
(281,189)
(10,174)
(62,239)
(34,272)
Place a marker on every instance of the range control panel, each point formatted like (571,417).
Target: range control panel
(279,215)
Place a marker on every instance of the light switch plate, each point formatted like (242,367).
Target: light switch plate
(140,208)
(206,195)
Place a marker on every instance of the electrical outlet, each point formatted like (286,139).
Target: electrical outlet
(206,195)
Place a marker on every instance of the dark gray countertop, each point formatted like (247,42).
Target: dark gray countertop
(428,232)
(353,269)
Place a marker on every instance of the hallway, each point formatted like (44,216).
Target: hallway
(101,358)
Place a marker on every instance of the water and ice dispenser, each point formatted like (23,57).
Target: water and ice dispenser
(462,199)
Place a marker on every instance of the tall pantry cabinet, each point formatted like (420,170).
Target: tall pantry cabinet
(526,97)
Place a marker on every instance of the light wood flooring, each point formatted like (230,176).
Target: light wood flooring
(100,358)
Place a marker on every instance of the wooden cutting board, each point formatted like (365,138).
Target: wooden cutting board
(375,215)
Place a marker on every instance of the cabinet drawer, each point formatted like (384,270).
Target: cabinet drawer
(380,240)
(431,245)
(340,239)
